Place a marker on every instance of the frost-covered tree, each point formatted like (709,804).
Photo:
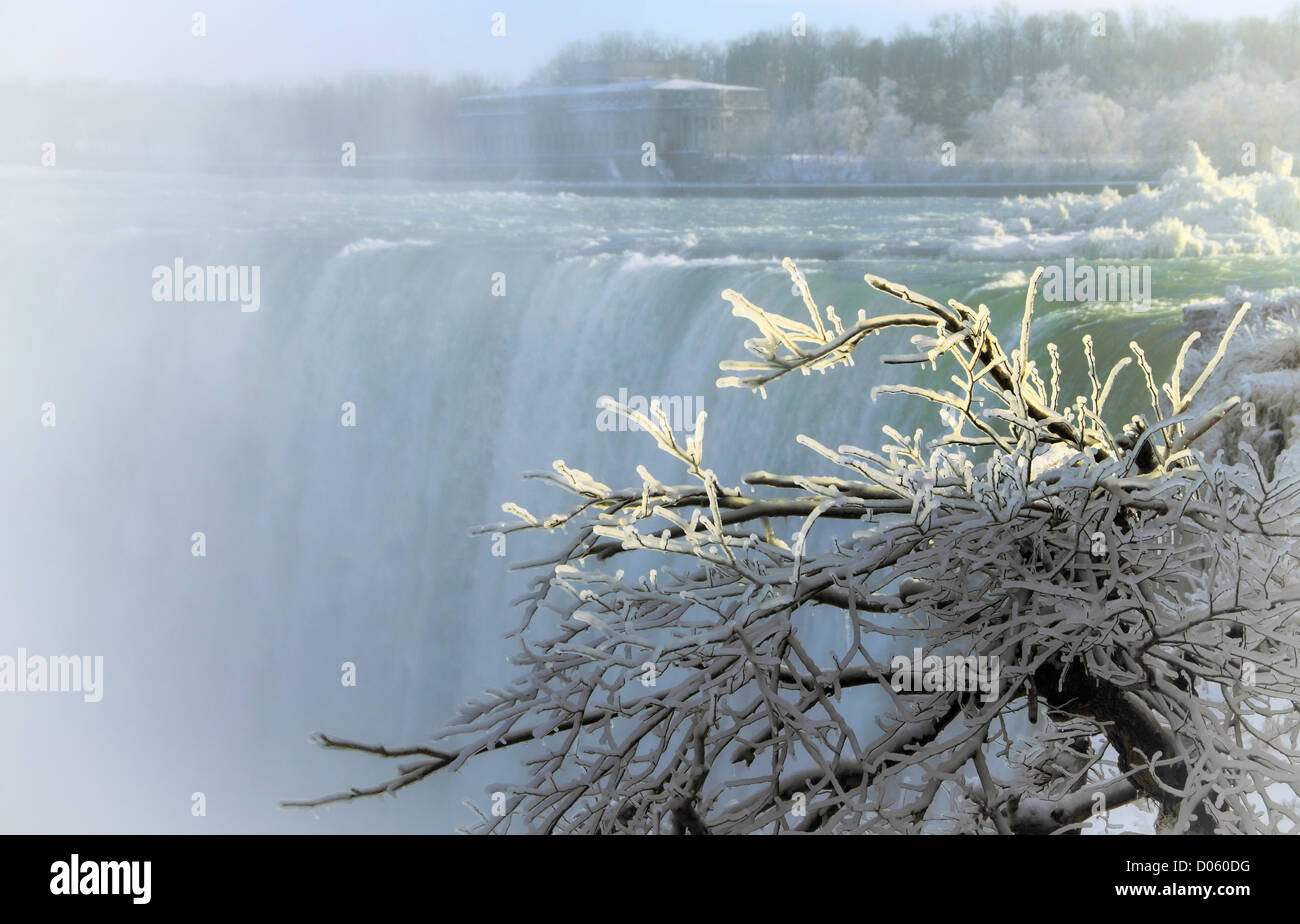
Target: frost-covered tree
(1056,115)
(893,136)
(1222,113)
(684,667)
(841,116)
(849,120)
(1072,118)
(1004,131)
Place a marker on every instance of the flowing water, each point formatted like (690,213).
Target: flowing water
(328,544)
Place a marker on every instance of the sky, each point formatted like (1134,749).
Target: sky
(296,41)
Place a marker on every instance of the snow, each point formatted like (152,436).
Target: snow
(1262,366)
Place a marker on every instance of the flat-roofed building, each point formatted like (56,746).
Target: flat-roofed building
(600,130)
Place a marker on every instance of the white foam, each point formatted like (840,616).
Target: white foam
(372,244)
(1193,212)
(1013,279)
(636,260)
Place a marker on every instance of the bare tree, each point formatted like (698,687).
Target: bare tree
(1136,598)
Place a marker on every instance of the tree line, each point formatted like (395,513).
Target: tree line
(965,62)
(1006,87)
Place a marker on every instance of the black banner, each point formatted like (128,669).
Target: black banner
(141,874)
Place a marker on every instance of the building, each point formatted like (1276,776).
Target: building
(601,130)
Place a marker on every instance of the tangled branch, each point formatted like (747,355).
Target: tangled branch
(1137,598)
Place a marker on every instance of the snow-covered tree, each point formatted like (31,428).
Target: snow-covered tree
(1222,114)
(1135,600)
(1005,131)
(850,120)
(841,115)
(1057,115)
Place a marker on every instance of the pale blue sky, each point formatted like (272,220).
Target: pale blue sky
(295,40)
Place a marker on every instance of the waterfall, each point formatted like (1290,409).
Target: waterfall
(327,543)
